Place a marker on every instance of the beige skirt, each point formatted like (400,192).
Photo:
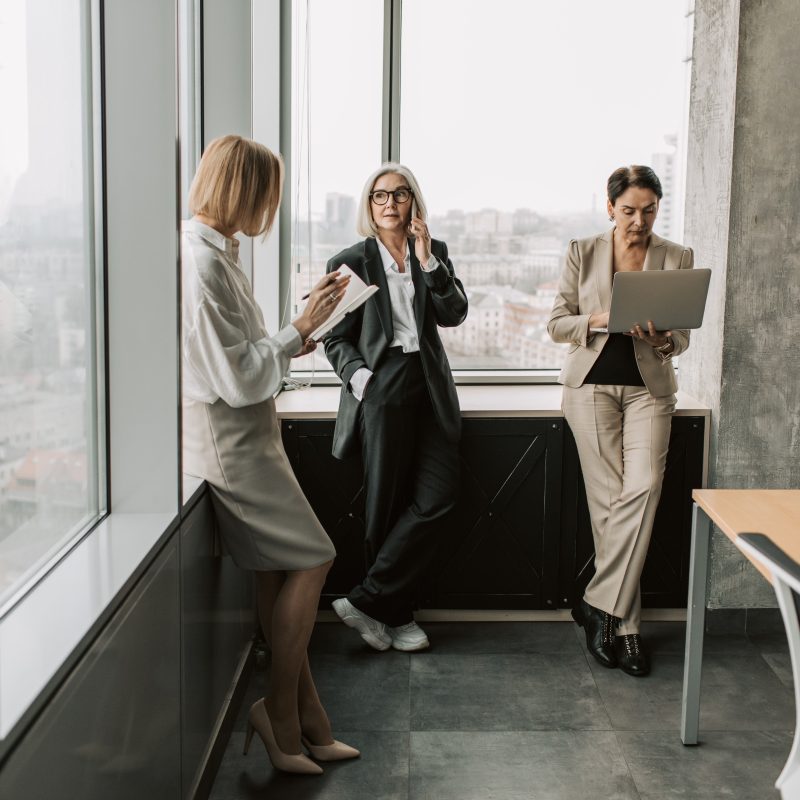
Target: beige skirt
(263,517)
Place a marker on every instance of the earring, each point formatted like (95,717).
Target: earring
(610,217)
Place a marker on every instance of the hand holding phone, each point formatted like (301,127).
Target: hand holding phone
(413,216)
(418,228)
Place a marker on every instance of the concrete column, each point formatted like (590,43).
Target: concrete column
(743,220)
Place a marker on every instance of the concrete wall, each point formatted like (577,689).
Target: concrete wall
(743,192)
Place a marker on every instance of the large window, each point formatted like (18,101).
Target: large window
(50,418)
(512,114)
(337,75)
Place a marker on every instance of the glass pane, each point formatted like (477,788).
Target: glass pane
(189,105)
(513,115)
(48,408)
(188,96)
(337,76)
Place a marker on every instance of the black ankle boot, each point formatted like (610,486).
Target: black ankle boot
(631,657)
(599,627)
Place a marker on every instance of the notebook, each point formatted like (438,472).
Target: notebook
(674,298)
(356,294)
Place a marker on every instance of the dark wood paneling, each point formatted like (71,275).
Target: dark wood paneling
(665,577)
(334,489)
(112,730)
(520,535)
(499,549)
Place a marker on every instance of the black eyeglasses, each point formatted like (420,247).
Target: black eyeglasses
(381,197)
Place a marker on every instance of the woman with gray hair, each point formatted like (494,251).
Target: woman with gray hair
(398,402)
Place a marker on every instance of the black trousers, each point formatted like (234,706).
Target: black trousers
(411,480)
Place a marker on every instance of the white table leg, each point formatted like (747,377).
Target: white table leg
(695,625)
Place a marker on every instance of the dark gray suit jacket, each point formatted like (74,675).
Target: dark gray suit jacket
(363,336)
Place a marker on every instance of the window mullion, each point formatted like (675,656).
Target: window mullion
(392,25)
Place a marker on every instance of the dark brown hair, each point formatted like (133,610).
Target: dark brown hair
(635,175)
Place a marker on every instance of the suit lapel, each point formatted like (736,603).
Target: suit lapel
(656,253)
(376,274)
(420,288)
(604,269)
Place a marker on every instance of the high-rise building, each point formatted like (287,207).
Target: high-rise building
(340,212)
(664,165)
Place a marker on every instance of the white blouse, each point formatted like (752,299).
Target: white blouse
(227,352)
(401,297)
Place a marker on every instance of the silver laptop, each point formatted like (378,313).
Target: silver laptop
(674,298)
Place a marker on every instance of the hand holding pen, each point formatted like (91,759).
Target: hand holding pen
(322,302)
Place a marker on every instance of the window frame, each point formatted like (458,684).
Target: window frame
(63,605)
(390,150)
(96,393)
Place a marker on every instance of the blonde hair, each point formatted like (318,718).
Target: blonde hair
(239,183)
(365,224)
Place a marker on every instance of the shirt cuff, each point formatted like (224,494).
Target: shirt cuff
(664,357)
(359,381)
(289,340)
(432,264)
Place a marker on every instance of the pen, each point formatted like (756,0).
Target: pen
(306,296)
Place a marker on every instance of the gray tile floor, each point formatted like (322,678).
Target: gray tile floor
(513,711)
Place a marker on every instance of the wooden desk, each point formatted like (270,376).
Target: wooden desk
(774,512)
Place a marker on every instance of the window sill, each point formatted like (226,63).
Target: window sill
(41,637)
(461,377)
(497,400)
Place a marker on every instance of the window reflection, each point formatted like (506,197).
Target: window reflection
(48,452)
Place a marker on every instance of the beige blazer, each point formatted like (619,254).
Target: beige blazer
(585,289)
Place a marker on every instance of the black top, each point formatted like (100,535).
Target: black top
(616,363)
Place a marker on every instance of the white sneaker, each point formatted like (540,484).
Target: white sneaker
(409,637)
(374,633)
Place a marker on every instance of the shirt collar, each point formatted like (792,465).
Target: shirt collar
(388,260)
(213,237)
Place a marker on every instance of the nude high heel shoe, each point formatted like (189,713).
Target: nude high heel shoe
(258,721)
(338,751)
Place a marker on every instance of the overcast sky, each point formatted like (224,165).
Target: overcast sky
(41,155)
(505,103)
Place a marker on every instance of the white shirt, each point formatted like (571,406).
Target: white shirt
(227,352)
(401,296)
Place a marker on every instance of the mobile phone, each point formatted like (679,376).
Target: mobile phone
(413,213)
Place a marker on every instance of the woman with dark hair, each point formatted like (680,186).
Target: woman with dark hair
(619,395)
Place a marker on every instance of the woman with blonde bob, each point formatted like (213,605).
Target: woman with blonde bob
(231,369)
(398,403)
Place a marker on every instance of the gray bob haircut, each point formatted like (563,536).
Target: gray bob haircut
(365,225)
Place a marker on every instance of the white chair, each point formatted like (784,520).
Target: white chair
(786,582)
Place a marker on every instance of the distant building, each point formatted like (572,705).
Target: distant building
(49,486)
(340,213)
(482,332)
(664,165)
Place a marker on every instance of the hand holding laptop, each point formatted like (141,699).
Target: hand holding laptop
(653,337)
(664,299)
(598,323)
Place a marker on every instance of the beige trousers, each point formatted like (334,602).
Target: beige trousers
(622,434)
